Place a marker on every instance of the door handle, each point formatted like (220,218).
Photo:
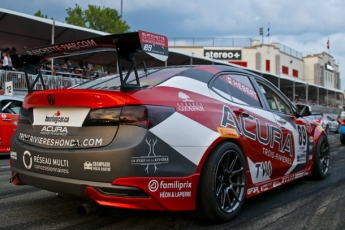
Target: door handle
(244,114)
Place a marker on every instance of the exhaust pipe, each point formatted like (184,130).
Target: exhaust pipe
(87,208)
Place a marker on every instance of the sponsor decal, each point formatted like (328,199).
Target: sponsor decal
(309,128)
(227,132)
(252,190)
(27,155)
(242,87)
(288,178)
(151,158)
(154,39)
(63,47)
(92,142)
(273,137)
(302,157)
(276,183)
(276,156)
(311,139)
(223,54)
(100,166)
(13,155)
(174,189)
(299,175)
(265,187)
(188,104)
(260,171)
(3,116)
(45,163)
(54,130)
(57,118)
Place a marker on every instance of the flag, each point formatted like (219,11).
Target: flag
(328,44)
(268,30)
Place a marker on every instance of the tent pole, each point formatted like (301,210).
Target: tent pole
(53,35)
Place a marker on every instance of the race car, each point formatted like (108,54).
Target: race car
(9,110)
(199,138)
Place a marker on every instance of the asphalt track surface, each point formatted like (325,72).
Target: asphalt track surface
(303,204)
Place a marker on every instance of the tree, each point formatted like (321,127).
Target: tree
(103,19)
(39,14)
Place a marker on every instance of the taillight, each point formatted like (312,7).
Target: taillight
(343,122)
(145,116)
(26,116)
(103,117)
(318,121)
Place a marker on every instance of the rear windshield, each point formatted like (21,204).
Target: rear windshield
(151,78)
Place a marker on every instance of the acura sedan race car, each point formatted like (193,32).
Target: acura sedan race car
(200,138)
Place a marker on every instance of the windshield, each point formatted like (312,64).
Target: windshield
(148,79)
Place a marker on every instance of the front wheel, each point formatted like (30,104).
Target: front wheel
(223,182)
(321,159)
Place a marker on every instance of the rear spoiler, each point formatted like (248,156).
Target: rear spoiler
(126,45)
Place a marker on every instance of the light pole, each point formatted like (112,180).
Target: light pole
(121,8)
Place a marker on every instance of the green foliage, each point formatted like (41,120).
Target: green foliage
(39,14)
(103,19)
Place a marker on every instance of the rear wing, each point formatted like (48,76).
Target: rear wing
(126,46)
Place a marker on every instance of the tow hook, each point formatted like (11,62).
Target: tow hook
(13,177)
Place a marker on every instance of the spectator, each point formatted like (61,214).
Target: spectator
(339,120)
(87,73)
(1,68)
(5,61)
(67,63)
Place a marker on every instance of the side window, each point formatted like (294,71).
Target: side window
(274,100)
(11,107)
(237,88)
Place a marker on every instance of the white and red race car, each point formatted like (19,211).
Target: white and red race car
(200,138)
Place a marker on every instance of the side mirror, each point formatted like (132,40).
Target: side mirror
(303,110)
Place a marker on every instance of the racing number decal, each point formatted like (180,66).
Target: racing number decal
(302,135)
(301,150)
(147,47)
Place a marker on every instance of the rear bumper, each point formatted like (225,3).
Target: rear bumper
(4,153)
(165,194)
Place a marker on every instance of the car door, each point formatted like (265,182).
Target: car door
(9,110)
(292,137)
(253,125)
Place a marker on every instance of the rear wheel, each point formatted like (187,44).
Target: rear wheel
(222,186)
(321,159)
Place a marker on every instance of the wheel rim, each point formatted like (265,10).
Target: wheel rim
(324,156)
(230,182)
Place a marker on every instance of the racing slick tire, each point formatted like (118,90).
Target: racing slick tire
(342,139)
(223,183)
(321,159)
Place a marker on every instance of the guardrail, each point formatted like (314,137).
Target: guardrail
(51,82)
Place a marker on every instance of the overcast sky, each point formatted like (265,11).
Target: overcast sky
(303,25)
